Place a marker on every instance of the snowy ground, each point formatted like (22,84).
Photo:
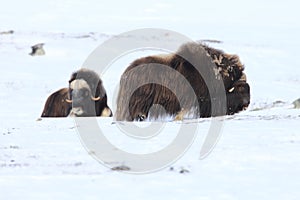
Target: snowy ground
(257,156)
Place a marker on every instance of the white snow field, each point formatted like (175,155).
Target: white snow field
(257,155)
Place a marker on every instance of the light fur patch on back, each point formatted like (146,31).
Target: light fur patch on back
(164,57)
(243,77)
(79,84)
(106,112)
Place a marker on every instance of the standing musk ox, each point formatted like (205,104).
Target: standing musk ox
(172,94)
(85,97)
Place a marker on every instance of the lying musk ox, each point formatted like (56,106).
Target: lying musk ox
(85,97)
(171,93)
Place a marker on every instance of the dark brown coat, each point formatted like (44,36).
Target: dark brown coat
(56,105)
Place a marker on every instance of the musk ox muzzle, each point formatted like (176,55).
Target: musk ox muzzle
(82,98)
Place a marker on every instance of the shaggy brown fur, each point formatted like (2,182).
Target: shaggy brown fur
(228,65)
(83,85)
(56,106)
(209,66)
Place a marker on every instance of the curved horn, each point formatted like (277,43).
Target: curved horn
(68,100)
(231,90)
(95,98)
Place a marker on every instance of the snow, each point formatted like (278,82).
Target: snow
(257,155)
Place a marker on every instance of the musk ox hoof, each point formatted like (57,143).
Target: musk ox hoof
(140,117)
(180,115)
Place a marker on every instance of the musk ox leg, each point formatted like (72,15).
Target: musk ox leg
(166,102)
(205,108)
(139,108)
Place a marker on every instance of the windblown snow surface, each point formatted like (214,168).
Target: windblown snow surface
(257,155)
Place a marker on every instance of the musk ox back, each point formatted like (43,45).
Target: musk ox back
(85,97)
(56,104)
(172,94)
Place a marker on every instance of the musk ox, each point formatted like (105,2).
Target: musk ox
(171,93)
(84,97)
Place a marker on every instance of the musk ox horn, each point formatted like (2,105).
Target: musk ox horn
(68,100)
(95,98)
(231,90)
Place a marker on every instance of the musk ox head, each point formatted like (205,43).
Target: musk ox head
(238,97)
(87,94)
(231,71)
